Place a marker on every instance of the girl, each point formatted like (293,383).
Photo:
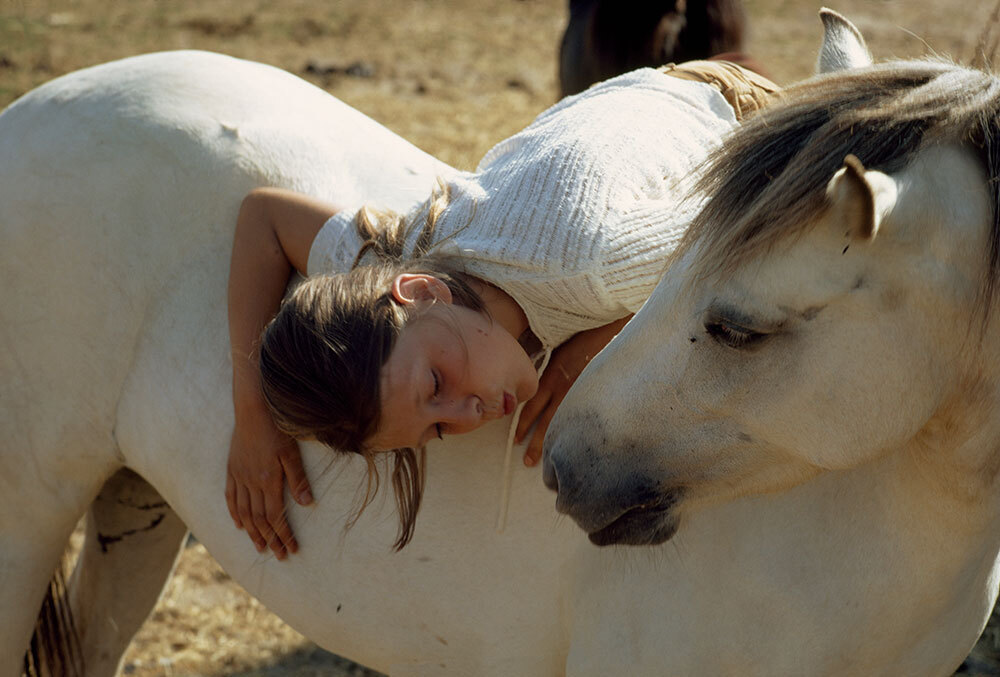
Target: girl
(417,326)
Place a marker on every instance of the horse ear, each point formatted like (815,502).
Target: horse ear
(860,198)
(843,47)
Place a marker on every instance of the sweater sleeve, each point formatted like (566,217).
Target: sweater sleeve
(336,245)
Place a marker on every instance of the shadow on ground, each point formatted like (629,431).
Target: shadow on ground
(309,661)
(984,660)
(312,661)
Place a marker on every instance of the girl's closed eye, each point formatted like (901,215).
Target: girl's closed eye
(437,391)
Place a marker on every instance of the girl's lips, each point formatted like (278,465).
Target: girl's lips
(509,403)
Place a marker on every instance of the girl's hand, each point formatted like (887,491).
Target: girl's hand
(565,365)
(261,459)
(275,230)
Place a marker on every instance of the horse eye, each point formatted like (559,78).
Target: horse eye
(733,335)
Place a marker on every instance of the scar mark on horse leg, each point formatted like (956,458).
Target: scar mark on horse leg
(156,505)
(106,540)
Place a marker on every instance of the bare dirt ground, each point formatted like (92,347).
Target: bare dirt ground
(452,76)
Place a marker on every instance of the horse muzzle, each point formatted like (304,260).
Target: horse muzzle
(611,499)
(644,524)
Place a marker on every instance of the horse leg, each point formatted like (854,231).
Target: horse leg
(33,537)
(132,544)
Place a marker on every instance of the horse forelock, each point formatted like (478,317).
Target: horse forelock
(767,182)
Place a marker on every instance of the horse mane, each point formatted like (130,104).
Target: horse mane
(768,179)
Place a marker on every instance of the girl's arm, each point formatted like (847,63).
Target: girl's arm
(567,361)
(274,231)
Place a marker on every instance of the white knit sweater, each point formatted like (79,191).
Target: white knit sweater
(574,215)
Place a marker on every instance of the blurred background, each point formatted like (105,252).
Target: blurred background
(452,76)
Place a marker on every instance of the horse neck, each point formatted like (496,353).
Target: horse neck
(956,454)
(929,509)
(935,501)
(932,504)
(888,539)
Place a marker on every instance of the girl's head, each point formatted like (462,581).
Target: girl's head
(384,358)
(321,357)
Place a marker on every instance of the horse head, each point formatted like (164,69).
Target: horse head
(826,308)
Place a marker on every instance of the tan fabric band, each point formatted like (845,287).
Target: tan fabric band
(745,90)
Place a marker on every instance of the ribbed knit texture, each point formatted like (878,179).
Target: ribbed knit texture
(574,215)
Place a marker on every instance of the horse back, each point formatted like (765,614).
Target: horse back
(119,186)
(119,190)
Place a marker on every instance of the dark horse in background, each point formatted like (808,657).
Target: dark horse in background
(608,37)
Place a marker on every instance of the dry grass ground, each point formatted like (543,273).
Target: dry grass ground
(454,77)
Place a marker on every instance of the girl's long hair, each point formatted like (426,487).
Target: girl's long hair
(321,356)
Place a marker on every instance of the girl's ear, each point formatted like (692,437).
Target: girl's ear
(410,288)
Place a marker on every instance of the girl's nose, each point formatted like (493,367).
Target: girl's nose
(464,415)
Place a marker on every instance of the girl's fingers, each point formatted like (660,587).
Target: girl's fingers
(245,511)
(534,451)
(298,483)
(281,540)
(231,500)
(261,526)
(532,408)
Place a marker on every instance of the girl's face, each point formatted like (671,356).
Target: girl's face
(452,370)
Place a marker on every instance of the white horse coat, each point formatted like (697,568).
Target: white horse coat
(834,373)
(119,188)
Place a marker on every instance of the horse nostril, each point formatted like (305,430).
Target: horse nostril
(549,476)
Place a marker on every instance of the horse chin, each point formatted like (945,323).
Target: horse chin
(641,525)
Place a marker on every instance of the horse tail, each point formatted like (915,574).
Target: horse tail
(55,649)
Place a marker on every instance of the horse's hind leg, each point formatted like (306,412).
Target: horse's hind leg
(132,543)
(31,547)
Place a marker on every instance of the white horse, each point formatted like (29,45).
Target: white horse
(810,399)
(119,187)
